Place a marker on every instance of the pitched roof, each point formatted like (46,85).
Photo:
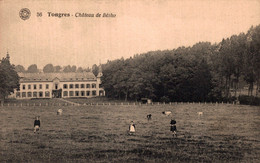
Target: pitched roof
(72,76)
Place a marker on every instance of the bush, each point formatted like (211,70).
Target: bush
(229,99)
(165,99)
(249,100)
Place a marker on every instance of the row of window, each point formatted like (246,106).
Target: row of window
(32,94)
(47,94)
(79,93)
(65,86)
(35,86)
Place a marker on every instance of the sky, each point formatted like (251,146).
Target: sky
(138,27)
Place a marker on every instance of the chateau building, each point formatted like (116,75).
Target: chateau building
(59,85)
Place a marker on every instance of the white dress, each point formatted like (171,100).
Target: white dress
(132,128)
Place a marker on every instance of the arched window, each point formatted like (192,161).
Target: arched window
(47,94)
(65,93)
(71,93)
(29,94)
(65,86)
(82,93)
(82,86)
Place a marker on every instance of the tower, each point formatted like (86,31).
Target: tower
(8,56)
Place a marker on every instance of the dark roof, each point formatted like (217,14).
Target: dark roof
(61,76)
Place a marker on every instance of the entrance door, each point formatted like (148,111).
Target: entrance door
(56,93)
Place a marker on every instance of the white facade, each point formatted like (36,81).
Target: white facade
(58,85)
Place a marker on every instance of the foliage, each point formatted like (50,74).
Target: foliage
(49,68)
(203,72)
(19,68)
(95,69)
(249,100)
(9,79)
(32,69)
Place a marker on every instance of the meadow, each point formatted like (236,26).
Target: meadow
(224,133)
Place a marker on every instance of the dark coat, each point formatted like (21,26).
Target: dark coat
(37,123)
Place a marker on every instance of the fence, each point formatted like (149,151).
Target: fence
(110,103)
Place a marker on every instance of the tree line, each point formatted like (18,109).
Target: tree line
(50,68)
(202,72)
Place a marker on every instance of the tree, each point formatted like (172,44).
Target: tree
(57,68)
(32,69)
(252,59)
(67,68)
(80,69)
(48,68)
(95,69)
(73,68)
(19,68)
(9,79)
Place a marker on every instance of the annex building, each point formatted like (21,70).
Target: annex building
(59,85)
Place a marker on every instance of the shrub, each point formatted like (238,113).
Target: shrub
(249,100)
(165,99)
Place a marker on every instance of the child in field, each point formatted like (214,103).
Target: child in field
(173,128)
(131,128)
(37,124)
(149,117)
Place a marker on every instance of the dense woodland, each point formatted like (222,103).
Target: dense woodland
(203,72)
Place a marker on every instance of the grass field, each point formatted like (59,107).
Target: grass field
(225,133)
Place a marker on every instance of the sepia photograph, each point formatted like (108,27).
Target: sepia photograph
(130,81)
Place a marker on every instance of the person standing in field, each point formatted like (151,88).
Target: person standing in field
(132,128)
(37,124)
(173,128)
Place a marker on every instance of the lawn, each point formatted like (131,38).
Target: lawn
(224,133)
